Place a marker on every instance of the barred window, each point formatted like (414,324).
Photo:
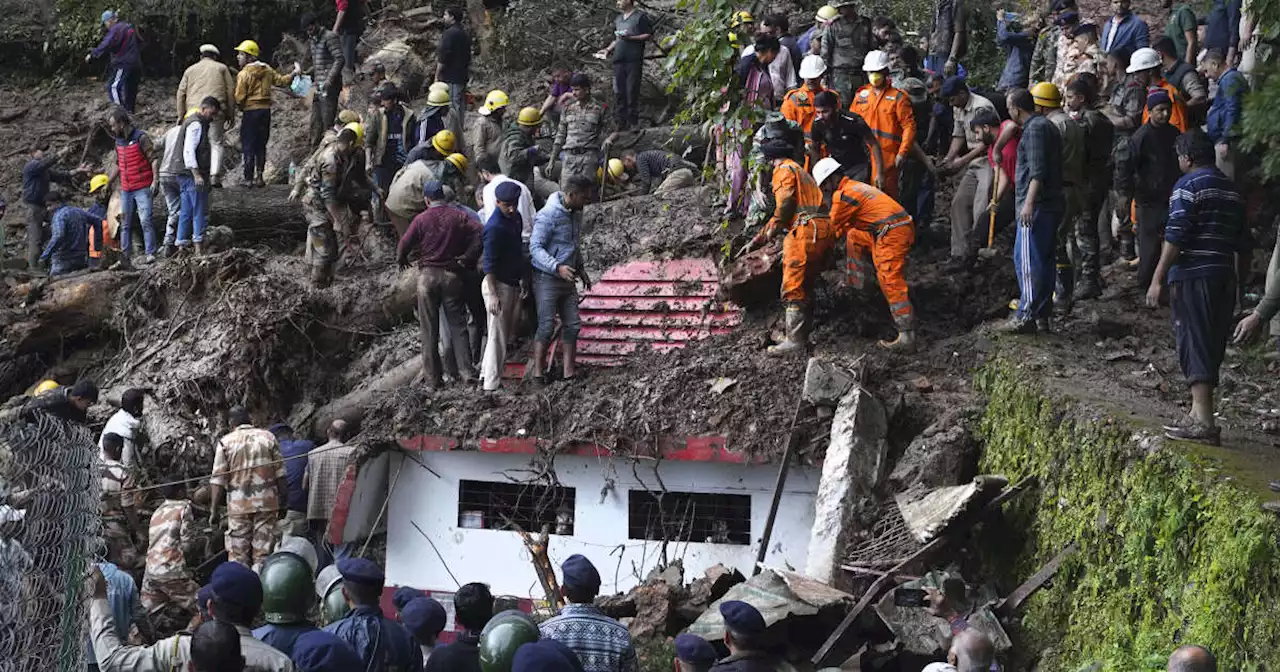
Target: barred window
(496,505)
(689,516)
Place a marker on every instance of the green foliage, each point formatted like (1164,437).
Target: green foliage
(701,63)
(1168,554)
(1261,119)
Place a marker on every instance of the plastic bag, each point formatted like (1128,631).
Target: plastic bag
(301,85)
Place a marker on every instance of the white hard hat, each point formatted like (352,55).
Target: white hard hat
(812,67)
(875,61)
(824,169)
(1143,59)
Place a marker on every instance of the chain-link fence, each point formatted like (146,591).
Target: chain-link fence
(49,531)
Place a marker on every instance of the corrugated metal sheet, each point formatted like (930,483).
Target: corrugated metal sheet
(651,304)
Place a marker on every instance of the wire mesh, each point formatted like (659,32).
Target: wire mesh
(49,534)
(886,543)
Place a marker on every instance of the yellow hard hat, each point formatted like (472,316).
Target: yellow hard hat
(733,40)
(616,168)
(191,112)
(249,47)
(827,13)
(438,97)
(496,99)
(46,385)
(358,129)
(459,161)
(97,182)
(740,18)
(529,116)
(444,141)
(1046,94)
(438,86)
(348,117)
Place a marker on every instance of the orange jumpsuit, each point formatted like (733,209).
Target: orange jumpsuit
(798,106)
(873,222)
(888,112)
(799,212)
(1178,113)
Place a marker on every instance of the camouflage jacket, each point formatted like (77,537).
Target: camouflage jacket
(252,456)
(1044,58)
(322,177)
(845,44)
(582,126)
(116,478)
(172,530)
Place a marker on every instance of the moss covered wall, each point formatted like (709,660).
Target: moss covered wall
(1171,551)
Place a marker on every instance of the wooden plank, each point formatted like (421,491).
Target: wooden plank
(1011,604)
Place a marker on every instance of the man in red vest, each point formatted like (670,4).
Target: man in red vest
(134,154)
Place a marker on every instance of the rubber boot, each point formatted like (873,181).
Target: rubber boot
(905,341)
(1090,287)
(1127,251)
(321,276)
(1064,290)
(797,339)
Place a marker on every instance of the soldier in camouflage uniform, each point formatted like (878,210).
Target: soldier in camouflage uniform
(248,466)
(845,43)
(1124,111)
(327,196)
(167,579)
(583,123)
(118,505)
(1081,105)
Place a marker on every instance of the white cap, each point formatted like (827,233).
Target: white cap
(875,61)
(824,169)
(1143,59)
(812,67)
(209,49)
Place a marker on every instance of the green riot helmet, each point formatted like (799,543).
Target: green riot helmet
(286,588)
(334,606)
(500,638)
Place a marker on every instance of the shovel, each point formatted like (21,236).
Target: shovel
(989,252)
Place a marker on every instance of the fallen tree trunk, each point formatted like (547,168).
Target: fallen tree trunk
(352,406)
(254,215)
(49,312)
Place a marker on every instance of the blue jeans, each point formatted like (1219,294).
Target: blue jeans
(556,296)
(1034,263)
(139,199)
(194,210)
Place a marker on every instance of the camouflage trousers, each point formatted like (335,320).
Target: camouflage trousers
(845,81)
(1066,245)
(120,548)
(322,244)
(159,593)
(581,164)
(251,538)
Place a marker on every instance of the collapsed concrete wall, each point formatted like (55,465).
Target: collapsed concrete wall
(1174,548)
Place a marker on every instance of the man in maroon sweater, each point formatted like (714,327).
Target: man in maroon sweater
(447,242)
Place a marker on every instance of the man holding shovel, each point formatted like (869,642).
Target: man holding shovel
(1001,139)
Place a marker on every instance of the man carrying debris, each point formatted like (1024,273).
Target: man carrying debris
(326,469)
(381,643)
(134,156)
(194,180)
(248,467)
(125,71)
(1205,250)
(601,643)
(236,597)
(447,244)
(327,62)
(555,250)
(328,183)
(210,77)
(519,154)
(583,125)
(253,96)
(170,534)
(667,170)
(119,505)
(744,627)
(874,224)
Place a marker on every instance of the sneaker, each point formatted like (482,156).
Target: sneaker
(151,259)
(1016,325)
(1181,423)
(1198,433)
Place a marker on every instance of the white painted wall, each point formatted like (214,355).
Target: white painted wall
(499,558)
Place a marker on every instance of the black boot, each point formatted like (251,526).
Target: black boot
(1064,290)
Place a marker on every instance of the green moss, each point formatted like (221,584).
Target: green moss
(1170,551)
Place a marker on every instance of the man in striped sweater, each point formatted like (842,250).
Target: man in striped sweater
(1206,246)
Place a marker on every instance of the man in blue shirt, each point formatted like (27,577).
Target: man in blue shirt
(295,519)
(126,608)
(557,262)
(1223,120)
(36,176)
(1018,45)
(125,71)
(1206,242)
(68,248)
(382,644)
(1124,31)
(504,267)
(1222,28)
(1040,205)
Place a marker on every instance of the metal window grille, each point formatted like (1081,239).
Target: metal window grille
(49,535)
(495,506)
(689,516)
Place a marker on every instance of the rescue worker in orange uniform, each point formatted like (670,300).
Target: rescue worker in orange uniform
(887,111)
(798,105)
(801,217)
(872,222)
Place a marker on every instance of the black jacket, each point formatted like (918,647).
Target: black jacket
(1151,168)
(454,53)
(750,662)
(463,655)
(57,404)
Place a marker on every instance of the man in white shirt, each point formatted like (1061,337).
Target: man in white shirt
(127,423)
(490,175)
